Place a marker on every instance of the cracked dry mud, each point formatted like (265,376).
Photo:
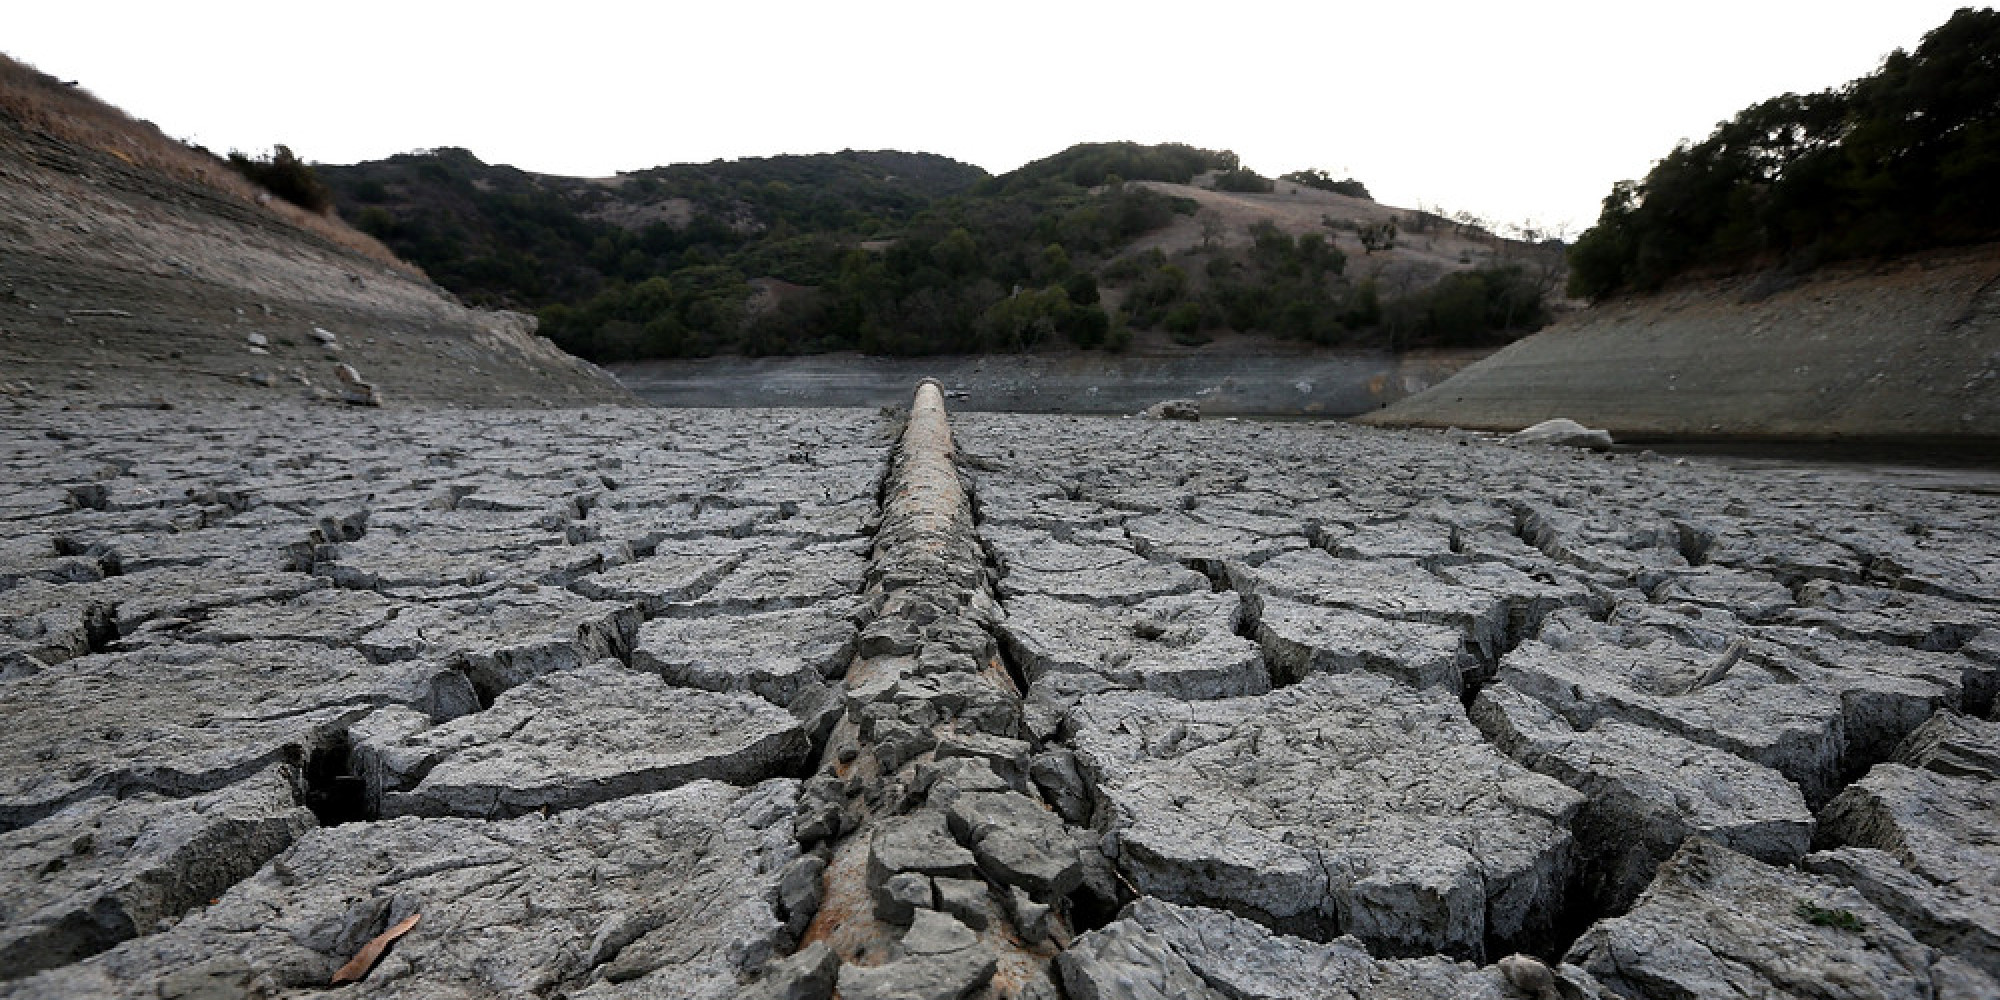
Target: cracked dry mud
(651,703)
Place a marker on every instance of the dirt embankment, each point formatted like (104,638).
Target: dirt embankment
(129,272)
(1888,351)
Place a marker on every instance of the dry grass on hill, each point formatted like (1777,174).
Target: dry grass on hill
(1418,259)
(72,115)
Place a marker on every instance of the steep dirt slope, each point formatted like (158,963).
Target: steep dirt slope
(133,269)
(1893,350)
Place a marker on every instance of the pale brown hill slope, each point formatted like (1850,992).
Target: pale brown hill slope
(1905,349)
(1426,246)
(134,269)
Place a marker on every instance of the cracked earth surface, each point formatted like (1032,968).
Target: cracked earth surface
(787,703)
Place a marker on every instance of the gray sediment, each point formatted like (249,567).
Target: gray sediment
(774,703)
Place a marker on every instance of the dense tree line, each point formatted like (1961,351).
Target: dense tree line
(1090,164)
(1243,180)
(498,236)
(968,275)
(1295,287)
(1900,160)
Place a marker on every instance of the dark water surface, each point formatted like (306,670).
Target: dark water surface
(1317,383)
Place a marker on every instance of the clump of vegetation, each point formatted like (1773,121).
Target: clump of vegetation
(1314,177)
(1820,916)
(282,173)
(1376,236)
(1243,180)
(966,275)
(1295,287)
(1091,164)
(1481,307)
(1901,160)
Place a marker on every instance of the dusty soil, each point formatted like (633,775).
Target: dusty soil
(122,282)
(1907,350)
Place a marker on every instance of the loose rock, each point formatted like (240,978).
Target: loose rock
(1561,432)
(1174,409)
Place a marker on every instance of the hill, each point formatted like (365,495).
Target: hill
(1820,267)
(137,269)
(508,238)
(909,253)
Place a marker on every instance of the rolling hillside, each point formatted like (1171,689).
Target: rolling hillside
(908,253)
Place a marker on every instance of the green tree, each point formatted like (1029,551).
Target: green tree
(282,173)
(1243,180)
(957,254)
(1314,177)
(1054,264)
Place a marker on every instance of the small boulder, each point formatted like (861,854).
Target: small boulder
(1174,409)
(1563,432)
(899,897)
(353,390)
(1529,975)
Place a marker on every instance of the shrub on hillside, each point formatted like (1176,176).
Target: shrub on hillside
(1081,288)
(1314,177)
(1243,180)
(283,174)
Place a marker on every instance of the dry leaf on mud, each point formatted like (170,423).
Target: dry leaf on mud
(371,952)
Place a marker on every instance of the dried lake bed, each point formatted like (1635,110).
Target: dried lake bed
(737,702)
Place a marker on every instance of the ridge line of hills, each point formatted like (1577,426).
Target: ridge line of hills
(911,253)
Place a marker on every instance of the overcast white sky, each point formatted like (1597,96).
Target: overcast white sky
(1517,111)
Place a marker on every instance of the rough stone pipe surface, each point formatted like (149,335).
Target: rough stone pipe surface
(945,871)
